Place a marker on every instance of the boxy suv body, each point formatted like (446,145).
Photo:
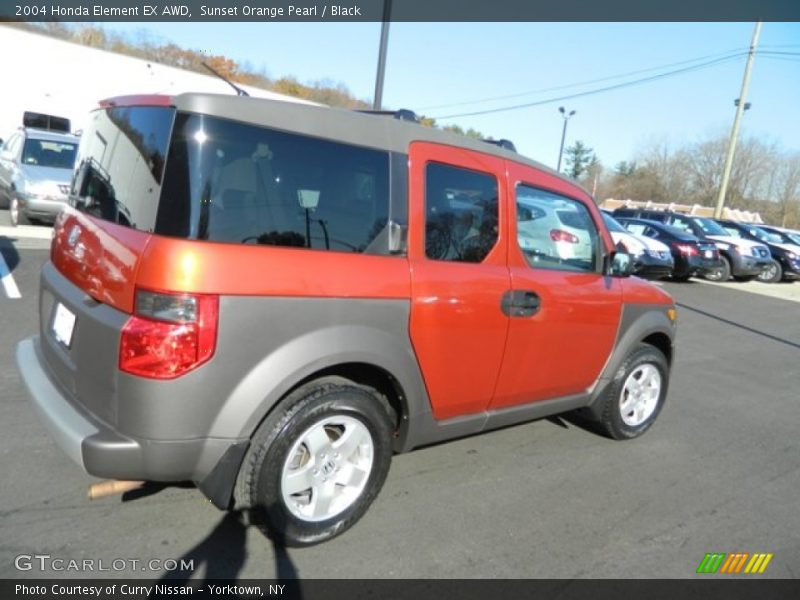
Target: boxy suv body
(270,299)
(742,259)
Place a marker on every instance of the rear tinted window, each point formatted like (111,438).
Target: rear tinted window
(199,177)
(232,182)
(120,165)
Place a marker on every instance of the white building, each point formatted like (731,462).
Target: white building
(44,74)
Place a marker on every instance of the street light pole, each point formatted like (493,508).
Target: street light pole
(566,117)
(741,106)
(377,100)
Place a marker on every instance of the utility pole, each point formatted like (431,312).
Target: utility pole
(377,100)
(741,106)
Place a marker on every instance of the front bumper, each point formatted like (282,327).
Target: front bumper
(41,207)
(747,266)
(101,450)
(648,266)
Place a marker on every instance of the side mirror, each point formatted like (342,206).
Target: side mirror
(619,264)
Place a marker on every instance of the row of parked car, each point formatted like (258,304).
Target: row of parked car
(680,246)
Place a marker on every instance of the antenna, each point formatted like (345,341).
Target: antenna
(239,91)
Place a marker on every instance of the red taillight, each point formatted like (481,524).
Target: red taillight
(687,249)
(558,235)
(169,335)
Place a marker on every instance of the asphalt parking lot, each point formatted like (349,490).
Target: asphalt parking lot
(719,472)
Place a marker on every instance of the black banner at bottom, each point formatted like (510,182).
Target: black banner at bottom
(401,589)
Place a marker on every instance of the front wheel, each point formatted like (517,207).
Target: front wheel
(772,273)
(633,400)
(316,464)
(721,273)
(15,213)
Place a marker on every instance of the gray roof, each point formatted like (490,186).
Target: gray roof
(374,131)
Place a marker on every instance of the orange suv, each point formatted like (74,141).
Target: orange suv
(270,299)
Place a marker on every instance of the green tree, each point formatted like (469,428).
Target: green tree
(579,157)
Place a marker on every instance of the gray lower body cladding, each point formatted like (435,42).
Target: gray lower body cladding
(197,427)
(120,426)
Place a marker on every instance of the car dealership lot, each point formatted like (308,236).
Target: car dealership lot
(719,472)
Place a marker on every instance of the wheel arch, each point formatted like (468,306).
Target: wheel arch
(365,356)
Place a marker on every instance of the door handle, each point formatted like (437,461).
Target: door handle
(520,303)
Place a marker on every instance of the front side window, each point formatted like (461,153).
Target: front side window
(461,213)
(555,232)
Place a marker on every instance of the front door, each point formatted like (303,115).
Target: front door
(563,332)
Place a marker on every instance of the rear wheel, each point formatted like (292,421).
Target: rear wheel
(633,400)
(772,273)
(316,464)
(721,273)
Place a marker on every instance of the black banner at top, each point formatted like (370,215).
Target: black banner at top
(400,10)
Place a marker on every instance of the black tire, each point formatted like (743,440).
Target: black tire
(329,405)
(616,422)
(15,213)
(721,273)
(772,273)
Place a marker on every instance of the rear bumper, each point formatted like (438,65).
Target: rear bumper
(104,452)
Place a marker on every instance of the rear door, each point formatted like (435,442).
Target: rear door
(457,253)
(566,315)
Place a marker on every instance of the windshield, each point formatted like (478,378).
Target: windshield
(794,237)
(46,153)
(612,224)
(764,236)
(710,227)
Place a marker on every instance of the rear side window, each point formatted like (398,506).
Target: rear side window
(461,213)
(555,232)
(232,182)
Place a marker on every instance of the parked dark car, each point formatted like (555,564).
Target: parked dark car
(651,258)
(744,259)
(785,264)
(692,256)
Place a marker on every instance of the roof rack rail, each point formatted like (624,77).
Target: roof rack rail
(402,114)
(507,144)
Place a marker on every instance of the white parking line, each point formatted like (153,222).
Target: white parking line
(12,291)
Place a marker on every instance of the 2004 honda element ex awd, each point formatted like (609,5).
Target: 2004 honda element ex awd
(270,299)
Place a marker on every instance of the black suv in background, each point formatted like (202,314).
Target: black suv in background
(744,259)
(785,262)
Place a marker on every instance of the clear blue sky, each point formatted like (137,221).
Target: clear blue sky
(436,64)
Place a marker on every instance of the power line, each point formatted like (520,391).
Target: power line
(733,52)
(598,90)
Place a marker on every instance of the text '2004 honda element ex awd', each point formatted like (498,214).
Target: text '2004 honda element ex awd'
(270,299)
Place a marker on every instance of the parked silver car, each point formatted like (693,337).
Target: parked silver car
(35,172)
